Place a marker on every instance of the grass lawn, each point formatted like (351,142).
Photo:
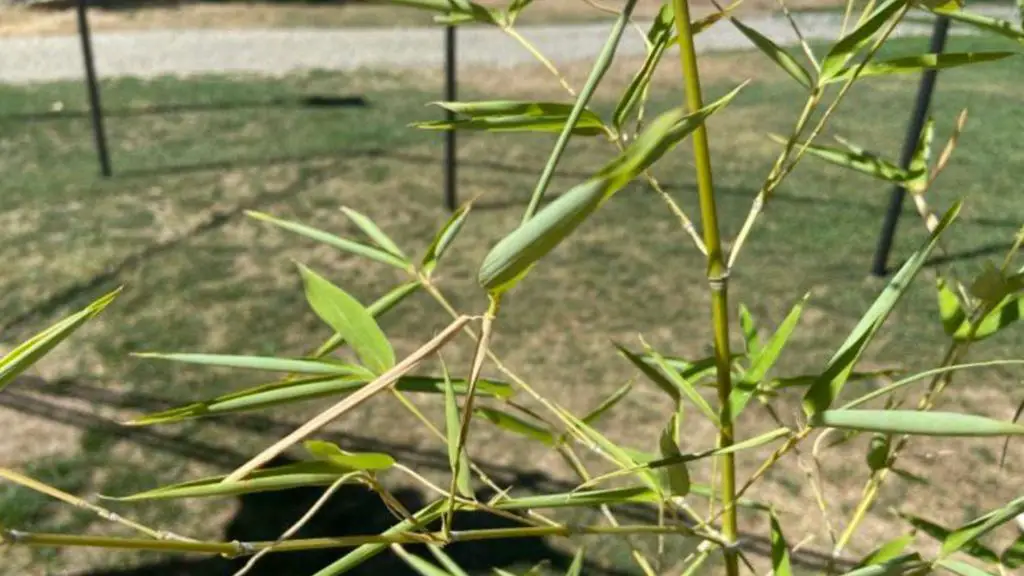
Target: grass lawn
(192,155)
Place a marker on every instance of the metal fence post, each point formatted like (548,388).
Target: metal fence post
(95,107)
(924,97)
(450,95)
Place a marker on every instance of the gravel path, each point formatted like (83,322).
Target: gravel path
(154,53)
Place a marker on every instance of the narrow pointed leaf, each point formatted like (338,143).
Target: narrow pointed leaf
(950,310)
(515,116)
(516,425)
(1005,314)
(650,370)
(914,423)
(858,160)
(576,568)
(303,389)
(978,528)
(761,364)
(781,565)
(332,454)
(751,332)
(998,26)
(512,258)
(332,240)
(684,387)
(849,45)
(658,36)
(264,363)
(782,58)
(677,476)
(458,460)
(446,560)
(267,480)
(915,64)
(899,566)
(888,551)
(444,238)
(751,443)
(962,568)
(30,351)
(824,391)
(347,317)
(380,306)
(612,450)
(613,496)
(419,565)
(608,404)
(374,232)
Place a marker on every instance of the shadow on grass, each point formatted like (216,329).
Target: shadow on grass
(354,511)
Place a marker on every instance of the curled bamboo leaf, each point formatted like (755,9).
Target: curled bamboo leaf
(332,240)
(379,307)
(914,64)
(658,38)
(858,160)
(516,425)
(515,116)
(751,333)
(267,480)
(30,351)
(914,422)
(950,310)
(303,389)
(379,237)
(1005,314)
(998,26)
(823,392)
(335,456)
(677,476)
(458,460)
(849,45)
(511,259)
(349,318)
(776,54)
(444,238)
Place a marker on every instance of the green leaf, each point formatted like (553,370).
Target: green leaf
(576,568)
(684,386)
(288,365)
(516,425)
(824,391)
(374,232)
(751,333)
(446,561)
(763,362)
(613,496)
(905,564)
(914,422)
(444,238)
(608,404)
(963,569)
(1003,28)
(921,159)
(266,480)
(1005,314)
(612,450)
(1013,556)
(990,285)
(332,454)
(302,389)
(515,116)
(332,240)
(781,565)
(888,551)
(419,565)
(972,531)
(659,36)
(677,476)
(380,306)
(656,377)
(952,314)
(914,64)
(30,351)
(783,59)
(858,160)
(347,317)
(512,258)
(849,45)
(454,11)
(457,457)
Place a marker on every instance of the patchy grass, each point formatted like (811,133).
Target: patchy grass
(192,155)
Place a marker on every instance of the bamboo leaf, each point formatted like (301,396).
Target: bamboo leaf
(677,476)
(446,560)
(380,306)
(914,422)
(656,377)
(899,566)
(952,314)
(264,363)
(979,527)
(782,58)
(374,232)
(659,36)
(921,159)
(963,569)
(332,454)
(444,238)
(612,450)
(1005,314)
(515,116)
(684,386)
(824,391)
(30,351)
(888,551)
(302,389)
(347,317)
(332,240)
(1003,28)
(512,258)
(266,480)
(858,160)
(849,45)
(751,333)
(419,565)
(613,496)
(458,460)
(764,361)
(576,568)
(516,425)
(914,64)
(1013,556)
(608,404)
(781,565)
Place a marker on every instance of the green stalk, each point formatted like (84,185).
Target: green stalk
(718,275)
(604,61)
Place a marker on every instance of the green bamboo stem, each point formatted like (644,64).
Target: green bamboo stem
(604,61)
(718,275)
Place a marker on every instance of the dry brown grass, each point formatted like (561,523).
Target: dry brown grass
(39,21)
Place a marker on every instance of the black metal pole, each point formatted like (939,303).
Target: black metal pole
(95,107)
(450,95)
(924,98)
